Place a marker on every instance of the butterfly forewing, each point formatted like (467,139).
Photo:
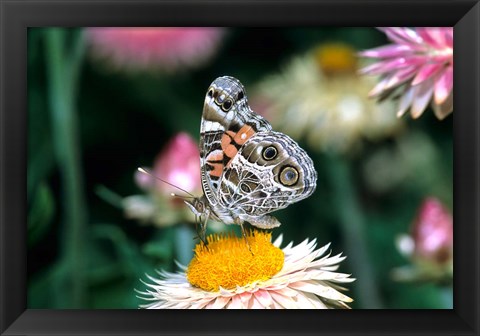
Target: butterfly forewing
(227,122)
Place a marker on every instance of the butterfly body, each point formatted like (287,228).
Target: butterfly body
(247,169)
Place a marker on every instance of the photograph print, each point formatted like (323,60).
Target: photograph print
(240,168)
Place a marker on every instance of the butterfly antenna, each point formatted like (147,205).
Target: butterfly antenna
(144,171)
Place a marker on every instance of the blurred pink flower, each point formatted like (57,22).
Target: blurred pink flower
(417,67)
(432,232)
(179,164)
(144,181)
(148,47)
(429,246)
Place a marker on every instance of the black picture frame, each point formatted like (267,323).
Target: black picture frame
(16,16)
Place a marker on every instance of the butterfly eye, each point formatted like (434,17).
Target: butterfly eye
(269,153)
(210,93)
(288,176)
(227,104)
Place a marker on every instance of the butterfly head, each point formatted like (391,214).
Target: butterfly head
(198,205)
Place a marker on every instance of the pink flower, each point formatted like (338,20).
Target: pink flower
(429,246)
(432,232)
(418,67)
(164,48)
(179,164)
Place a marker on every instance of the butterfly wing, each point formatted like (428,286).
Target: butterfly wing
(227,123)
(248,170)
(270,172)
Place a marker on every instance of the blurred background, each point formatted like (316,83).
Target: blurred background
(102,102)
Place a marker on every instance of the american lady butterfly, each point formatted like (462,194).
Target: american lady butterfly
(247,169)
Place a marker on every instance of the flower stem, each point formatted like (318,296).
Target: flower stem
(109,196)
(353,226)
(184,243)
(62,72)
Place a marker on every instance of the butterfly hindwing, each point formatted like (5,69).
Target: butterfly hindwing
(269,173)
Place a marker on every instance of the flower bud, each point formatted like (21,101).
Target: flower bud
(432,232)
(179,164)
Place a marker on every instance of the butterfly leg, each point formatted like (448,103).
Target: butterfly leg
(204,227)
(201,232)
(200,227)
(244,234)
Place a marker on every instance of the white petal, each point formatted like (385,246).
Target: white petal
(405,101)
(330,276)
(287,292)
(181,305)
(182,267)
(330,268)
(278,241)
(321,290)
(264,298)
(235,303)
(422,95)
(256,304)
(323,249)
(304,302)
(199,304)
(333,260)
(277,305)
(444,109)
(245,297)
(315,300)
(284,301)
(220,302)
(226,292)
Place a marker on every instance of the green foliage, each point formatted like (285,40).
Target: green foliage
(40,214)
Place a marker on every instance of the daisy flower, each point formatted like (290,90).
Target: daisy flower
(228,275)
(321,98)
(164,48)
(417,68)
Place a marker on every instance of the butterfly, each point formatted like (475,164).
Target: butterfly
(248,170)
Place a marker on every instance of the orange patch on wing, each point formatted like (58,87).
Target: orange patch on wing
(217,169)
(227,147)
(243,134)
(237,138)
(230,151)
(231,133)
(226,140)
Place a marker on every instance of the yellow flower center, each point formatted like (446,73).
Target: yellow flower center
(227,262)
(336,58)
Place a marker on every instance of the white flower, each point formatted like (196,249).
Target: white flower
(306,278)
(320,98)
